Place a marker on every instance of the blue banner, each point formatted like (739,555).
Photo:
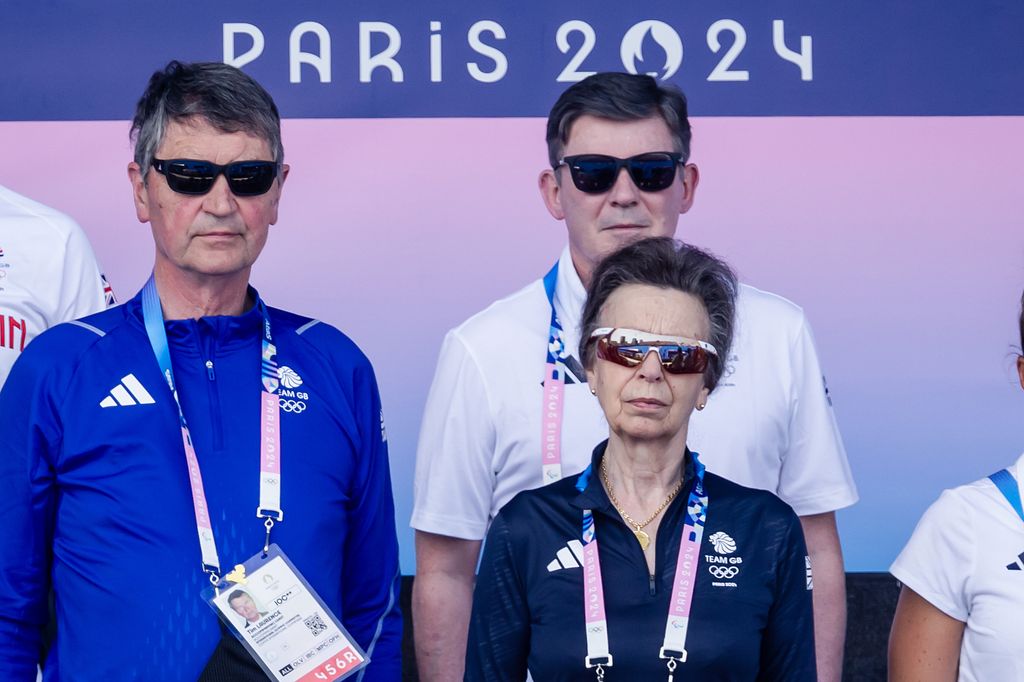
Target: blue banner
(90,61)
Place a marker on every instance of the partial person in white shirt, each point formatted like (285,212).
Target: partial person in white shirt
(48,274)
(959,611)
(493,425)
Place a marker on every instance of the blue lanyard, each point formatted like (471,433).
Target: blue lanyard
(270,442)
(556,343)
(553,395)
(1007,485)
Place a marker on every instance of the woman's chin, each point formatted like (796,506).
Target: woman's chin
(645,431)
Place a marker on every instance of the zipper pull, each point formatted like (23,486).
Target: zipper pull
(209,370)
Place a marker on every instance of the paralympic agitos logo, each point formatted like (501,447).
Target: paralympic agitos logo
(651,46)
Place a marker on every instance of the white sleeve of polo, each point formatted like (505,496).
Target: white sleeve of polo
(815,476)
(81,288)
(454,482)
(939,558)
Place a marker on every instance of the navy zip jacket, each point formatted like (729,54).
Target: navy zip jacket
(96,501)
(751,613)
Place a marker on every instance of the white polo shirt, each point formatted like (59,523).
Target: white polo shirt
(769,423)
(966,558)
(48,274)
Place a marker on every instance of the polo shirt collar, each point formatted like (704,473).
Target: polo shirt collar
(570,295)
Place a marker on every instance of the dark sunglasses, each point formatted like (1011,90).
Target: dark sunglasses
(596,173)
(245,178)
(629,347)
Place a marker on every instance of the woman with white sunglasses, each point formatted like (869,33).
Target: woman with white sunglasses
(646,566)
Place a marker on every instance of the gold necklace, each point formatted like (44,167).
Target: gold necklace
(643,538)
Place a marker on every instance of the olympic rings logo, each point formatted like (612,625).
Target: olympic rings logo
(724,572)
(296,406)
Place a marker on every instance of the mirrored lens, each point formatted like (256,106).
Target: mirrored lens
(675,359)
(683,359)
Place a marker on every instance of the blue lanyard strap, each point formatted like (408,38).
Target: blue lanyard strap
(1007,485)
(556,343)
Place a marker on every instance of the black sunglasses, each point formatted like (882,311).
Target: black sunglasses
(596,173)
(245,178)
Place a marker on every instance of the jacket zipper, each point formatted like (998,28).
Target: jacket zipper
(206,341)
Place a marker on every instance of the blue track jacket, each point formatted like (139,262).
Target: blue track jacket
(96,500)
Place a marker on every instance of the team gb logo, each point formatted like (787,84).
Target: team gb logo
(722,543)
(289,377)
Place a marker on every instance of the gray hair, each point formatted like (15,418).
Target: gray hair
(668,264)
(223,96)
(619,97)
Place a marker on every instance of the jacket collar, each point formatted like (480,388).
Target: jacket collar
(592,494)
(228,331)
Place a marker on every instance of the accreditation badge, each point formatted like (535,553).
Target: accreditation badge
(283,623)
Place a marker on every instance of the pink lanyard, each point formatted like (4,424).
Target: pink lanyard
(677,624)
(269,507)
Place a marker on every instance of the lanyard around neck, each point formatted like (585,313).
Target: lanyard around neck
(270,434)
(1007,485)
(673,648)
(553,395)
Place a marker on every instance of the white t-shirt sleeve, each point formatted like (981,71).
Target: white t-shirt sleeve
(454,482)
(939,559)
(815,476)
(81,282)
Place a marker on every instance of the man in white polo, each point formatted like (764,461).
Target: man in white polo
(509,408)
(48,274)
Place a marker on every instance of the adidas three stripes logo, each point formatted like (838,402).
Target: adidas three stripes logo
(128,392)
(570,556)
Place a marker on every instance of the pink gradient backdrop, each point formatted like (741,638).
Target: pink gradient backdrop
(897,235)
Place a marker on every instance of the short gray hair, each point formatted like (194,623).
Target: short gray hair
(223,96)
(667,264)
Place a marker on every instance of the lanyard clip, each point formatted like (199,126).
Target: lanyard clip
(672,657)
(270,516)
(269,523)
(213,572)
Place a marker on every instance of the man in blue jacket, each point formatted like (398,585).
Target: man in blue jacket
(139,441)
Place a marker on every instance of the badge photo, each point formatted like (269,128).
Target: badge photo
(283,623)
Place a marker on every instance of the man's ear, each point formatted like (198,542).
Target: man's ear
(277,193)
(551,193)
(138,182)
(691,178)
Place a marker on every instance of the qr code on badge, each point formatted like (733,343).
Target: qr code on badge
(315,624)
